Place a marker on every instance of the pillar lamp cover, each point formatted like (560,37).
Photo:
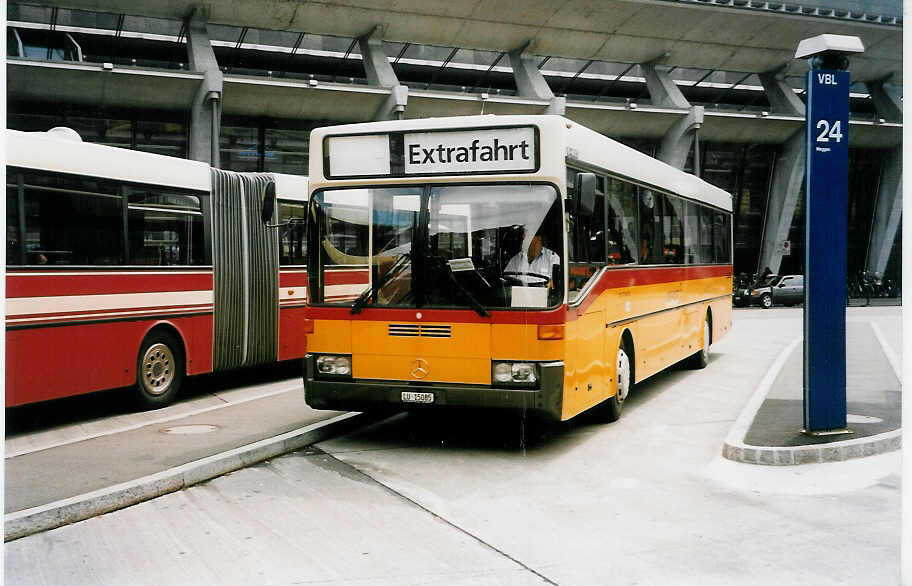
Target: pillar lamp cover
(828,44)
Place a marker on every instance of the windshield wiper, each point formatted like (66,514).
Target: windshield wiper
(476,305)
(391,272)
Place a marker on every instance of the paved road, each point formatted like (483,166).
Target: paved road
(485,499)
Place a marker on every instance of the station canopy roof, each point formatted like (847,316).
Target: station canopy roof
(705,41)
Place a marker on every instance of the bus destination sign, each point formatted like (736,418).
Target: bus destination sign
(472,151)
(456,152)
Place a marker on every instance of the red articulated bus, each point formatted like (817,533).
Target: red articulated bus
(126,268)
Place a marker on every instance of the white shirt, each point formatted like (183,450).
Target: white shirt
(540,265)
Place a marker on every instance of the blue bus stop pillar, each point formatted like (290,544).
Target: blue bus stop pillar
(826,196)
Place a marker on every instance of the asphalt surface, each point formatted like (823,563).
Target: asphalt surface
(72,480)
(770,430)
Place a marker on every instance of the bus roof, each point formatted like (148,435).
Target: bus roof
(593,149)
(51,152)
(293,187)
(580,145)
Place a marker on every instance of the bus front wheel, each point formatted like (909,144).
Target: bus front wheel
(159,370)
(623,375)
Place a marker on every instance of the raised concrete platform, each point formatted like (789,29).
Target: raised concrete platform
(66,483)
(769,430)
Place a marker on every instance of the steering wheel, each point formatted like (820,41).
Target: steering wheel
(538,280)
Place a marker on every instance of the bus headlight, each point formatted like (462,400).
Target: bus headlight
(523,374)
(333,365)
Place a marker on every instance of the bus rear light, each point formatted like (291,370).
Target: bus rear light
(329,365)
(551,332)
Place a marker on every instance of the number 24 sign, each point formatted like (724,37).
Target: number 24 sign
(828,97)
(829,130)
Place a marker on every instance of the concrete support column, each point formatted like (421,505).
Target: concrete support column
(887,214)
(888,211)
(380,73)
(206,111)
(782,98)
(662,89)
(788,175)
(530,83)
(679,139)
(887,100)
(376,64)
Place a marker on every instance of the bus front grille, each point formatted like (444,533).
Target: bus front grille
(419,330)
(436,331)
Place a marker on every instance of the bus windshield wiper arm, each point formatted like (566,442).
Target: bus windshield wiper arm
(476,305)
(383,280)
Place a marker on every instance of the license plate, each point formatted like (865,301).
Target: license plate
(408,397)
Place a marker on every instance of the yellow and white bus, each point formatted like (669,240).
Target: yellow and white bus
(521,262)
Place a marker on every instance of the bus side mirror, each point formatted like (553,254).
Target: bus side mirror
(585,192)
(269,203)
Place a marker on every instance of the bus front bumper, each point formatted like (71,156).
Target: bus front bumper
(362,395)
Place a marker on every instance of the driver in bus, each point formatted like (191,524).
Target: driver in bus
(534,264)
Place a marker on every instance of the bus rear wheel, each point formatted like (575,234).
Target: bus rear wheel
(159,370)
(612,407)
(701,357)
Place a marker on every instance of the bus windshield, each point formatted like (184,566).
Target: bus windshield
(478,247)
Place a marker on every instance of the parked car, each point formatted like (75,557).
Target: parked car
(741,289)
(785,290)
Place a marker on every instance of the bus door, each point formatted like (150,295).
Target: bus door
(246,265)
(587,359)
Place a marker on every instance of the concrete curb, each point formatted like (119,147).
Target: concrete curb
(737,450)
(84,506)
(813,454)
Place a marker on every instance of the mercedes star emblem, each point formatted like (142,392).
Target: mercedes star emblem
(420,368)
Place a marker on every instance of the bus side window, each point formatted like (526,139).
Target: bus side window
(586,238)
(651,240)
(620,209)
(697,234)
(706,235)
(293,244)
(72,220)
(13,240)
(721,230)
(672,230)
(165,228)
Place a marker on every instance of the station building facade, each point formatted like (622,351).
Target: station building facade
(246,98)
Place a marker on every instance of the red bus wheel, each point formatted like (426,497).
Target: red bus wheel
(159,370)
